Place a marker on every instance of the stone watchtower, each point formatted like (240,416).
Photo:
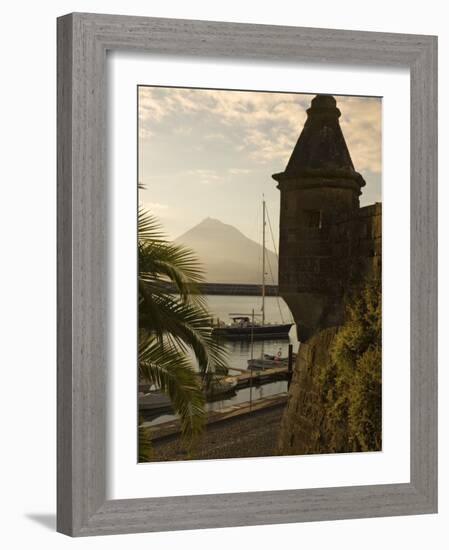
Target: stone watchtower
(320,221)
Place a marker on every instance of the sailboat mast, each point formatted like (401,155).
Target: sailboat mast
(263,262)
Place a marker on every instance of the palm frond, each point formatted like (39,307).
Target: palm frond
(184,324)
(173,326)
(148,227)
(163,261)
(145,447)
(170,371)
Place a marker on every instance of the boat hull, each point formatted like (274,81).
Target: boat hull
(265,364)
(265,332)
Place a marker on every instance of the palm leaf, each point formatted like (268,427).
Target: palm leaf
(160,261)
(148,227)
(170,371)
(185,325)
(145,448)
(173,326)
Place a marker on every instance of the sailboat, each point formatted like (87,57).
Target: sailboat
(244,326)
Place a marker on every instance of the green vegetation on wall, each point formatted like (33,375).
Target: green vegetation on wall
(352,382)
(335,399)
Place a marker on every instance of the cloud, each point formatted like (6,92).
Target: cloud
(204,176)
(265,126)
(156,206)
(239,171)
(145,132)
(361,122)
(216,136)
(183,131)
(262,147)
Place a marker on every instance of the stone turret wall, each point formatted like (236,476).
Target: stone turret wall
(318,265)
(328,248)
(325,240)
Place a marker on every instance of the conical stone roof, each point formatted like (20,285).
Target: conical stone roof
(321,149)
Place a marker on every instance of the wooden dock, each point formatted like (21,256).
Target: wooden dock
(172,428)
(257,377)
(246,378)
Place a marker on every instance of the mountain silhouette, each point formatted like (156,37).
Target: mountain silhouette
(227,255)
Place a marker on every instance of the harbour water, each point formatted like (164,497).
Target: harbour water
(276,311)
(239,351)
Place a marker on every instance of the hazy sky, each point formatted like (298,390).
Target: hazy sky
(211,153)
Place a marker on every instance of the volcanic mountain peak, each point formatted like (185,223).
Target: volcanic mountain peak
(228,256)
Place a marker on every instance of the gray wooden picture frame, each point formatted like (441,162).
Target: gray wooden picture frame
(83,40)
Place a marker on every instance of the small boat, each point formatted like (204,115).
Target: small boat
(269,362)
(154,402)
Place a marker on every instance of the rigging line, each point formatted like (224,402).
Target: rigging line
(271,233)
(259,255)
(255,226)
(269,265)
(277,297)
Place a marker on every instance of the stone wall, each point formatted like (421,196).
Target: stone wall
(303,426)
(319,265)
(354,256)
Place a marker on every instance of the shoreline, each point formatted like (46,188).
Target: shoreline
(251,435)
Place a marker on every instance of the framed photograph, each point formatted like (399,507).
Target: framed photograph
(247,280)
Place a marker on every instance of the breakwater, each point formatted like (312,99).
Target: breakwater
(232,289)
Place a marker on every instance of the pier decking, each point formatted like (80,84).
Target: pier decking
(246,378)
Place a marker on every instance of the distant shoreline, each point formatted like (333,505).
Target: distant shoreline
(233,289)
